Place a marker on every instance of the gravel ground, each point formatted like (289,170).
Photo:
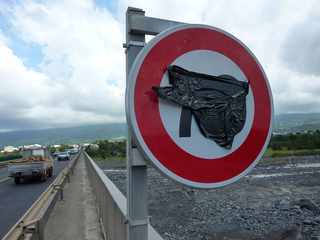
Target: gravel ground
(276,202)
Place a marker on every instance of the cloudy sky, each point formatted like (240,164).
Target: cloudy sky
(62,62)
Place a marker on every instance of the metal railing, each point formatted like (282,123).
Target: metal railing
(6,163)
(112,205)
(31,225)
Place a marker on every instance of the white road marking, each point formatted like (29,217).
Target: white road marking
(4,179)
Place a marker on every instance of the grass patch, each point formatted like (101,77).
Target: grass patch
(9,156)
(286,153)
(279,157)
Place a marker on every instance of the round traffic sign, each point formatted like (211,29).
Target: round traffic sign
(199,105)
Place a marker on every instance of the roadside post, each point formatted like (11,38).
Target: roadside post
(137,208)
(198,106)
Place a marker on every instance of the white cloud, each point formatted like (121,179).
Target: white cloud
(81,78)
(21,88)
(301,50)
(265,27)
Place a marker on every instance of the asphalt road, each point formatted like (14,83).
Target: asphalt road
(3,174)
(16,199)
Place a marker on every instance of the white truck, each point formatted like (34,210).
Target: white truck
(36,163)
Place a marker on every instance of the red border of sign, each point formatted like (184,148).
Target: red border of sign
(146,106)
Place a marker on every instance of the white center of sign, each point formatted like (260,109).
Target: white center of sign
(212,63)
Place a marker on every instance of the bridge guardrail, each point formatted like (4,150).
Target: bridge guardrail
(112,205)
(5,163)
(31,225)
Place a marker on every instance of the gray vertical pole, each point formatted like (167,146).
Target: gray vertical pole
(137,208)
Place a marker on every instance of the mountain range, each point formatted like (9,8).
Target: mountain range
(283,124)
(81,134)
(296,122)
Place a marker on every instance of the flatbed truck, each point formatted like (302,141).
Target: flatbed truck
(36,163)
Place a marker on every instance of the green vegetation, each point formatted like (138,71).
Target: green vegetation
(9,156)
(52,149)
(63,148)
(294,144)
(296,141)
(285,152)
(107,150)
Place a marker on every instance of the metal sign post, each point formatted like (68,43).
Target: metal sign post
(137,26)
(137,207)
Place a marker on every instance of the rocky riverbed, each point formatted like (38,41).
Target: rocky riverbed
(276,202)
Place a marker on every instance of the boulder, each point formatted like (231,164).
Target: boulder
(309,205)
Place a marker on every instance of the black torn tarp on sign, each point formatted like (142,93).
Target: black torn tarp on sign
(217,102)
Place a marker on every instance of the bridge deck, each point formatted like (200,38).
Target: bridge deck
(75,217)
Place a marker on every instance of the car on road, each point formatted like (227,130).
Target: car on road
(73,151)
(63,156)
(36,163)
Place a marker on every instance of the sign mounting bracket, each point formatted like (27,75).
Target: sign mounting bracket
(137,26)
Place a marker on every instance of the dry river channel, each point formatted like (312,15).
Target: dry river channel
(274,202)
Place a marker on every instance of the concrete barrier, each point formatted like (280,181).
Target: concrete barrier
(112,205)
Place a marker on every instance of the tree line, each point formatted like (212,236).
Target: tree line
(104,149)
(296,141)
(9,156)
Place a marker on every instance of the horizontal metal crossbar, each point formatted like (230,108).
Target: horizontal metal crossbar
(148,25)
